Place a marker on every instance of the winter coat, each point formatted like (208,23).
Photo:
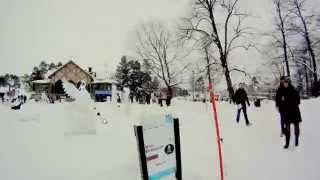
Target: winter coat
(241,97)
(287,101)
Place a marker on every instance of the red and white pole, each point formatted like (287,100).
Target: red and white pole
(216,122)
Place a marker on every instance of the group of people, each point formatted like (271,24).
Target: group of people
(140,96)
(13,97)
(149,98)
(287,102)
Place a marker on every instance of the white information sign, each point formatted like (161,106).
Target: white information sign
(160,147)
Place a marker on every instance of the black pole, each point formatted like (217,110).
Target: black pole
(178,148)
(143,160)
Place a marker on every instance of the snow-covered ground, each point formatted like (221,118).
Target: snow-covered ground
(34,145)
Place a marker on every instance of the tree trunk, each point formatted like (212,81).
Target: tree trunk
(285,54)
(228,78)
(284,40)
(313,58)
(223,55)
(307,38)
(229,83)
(169,95)
(208,66)
(307,77)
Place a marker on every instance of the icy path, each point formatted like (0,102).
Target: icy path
(34,147)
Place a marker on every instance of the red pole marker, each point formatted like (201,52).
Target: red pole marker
(215,116)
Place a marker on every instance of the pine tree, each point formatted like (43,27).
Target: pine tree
(51,66)
(36,74)
(43,66)
(122,72)
(129,74)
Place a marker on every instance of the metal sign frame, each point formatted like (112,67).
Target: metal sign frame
(142,152)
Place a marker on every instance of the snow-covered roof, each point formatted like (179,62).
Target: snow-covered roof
(46,76)
(51,73)
(103,81)
(43,81)
(103,77)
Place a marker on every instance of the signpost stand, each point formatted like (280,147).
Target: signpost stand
(158,156)
(143,159)
(178,148)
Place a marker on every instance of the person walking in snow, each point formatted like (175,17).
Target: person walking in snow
(160,98)
(148,97)
(2,96)
(287,102)
(131,97)
(118,98)
(279,104)
(241,98)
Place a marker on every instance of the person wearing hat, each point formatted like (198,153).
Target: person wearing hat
(287,102)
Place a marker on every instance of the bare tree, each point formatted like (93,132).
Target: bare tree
(304,30)
(204,25)
(157,45)
(282,17)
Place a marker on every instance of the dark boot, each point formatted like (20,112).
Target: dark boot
(238,115)
(287,141)
(297,141)
(297,133)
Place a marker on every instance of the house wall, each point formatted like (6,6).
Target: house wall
(71,72)
(40,88)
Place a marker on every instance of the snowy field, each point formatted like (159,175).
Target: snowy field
(34,145)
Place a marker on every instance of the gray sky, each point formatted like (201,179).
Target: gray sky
(91,32)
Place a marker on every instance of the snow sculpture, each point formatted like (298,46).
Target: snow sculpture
(81,118)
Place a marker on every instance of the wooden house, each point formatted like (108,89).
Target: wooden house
(99,88)
(52,84)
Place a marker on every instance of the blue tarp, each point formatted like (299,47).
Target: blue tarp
(103,92)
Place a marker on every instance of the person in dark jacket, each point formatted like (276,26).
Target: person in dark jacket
(2,96)
(278,104)
(287,102)
(241,98)
(131,97)
(148,98)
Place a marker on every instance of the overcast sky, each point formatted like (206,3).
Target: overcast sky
(91,32)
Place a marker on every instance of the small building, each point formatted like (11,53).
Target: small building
(70,72)
(99,88)
(40,86)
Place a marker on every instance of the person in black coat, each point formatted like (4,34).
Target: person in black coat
(287,102)
(241,98)
(279,104)
(131,96)
(2,96)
